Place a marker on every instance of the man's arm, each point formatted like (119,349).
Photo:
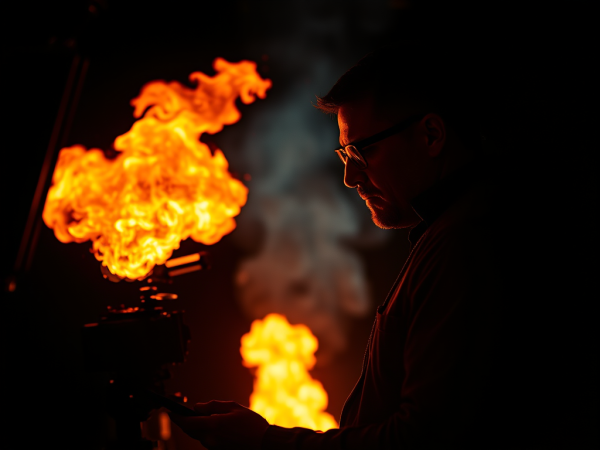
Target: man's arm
(453,291)
(444,359)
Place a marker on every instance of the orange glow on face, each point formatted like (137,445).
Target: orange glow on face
(284,392)
(165,185)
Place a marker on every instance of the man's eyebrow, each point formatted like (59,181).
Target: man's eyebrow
(343,139)
(349,142)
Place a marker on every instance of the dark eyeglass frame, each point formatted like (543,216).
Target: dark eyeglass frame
(352,151)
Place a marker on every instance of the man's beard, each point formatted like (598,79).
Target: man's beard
(389,218)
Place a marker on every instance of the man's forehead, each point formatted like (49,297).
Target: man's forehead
(356,120)
(343,126)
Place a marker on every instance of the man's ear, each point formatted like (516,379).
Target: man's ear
(435,132)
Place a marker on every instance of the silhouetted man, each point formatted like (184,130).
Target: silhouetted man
(456,358)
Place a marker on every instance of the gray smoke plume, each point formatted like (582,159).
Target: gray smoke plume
(304,269)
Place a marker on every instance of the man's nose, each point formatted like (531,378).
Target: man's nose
(352,175)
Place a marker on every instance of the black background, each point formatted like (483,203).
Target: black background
(534,66)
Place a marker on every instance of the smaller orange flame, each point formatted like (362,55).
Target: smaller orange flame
(284,392)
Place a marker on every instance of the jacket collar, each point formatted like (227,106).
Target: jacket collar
(431,204)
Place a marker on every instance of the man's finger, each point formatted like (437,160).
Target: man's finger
(216,407)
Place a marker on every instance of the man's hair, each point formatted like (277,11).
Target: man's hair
(413,76)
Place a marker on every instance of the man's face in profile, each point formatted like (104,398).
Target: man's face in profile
(397,166)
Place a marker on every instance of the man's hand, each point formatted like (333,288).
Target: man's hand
(224,425)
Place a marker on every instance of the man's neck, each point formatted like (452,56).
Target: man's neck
(454,157)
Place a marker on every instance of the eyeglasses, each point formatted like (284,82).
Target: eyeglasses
(352,151)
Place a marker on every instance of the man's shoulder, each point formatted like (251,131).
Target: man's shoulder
(476,217)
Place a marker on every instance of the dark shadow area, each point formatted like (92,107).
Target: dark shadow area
(533,68)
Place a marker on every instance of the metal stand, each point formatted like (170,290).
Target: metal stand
(137,345)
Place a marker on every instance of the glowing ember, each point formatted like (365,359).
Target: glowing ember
(284,392)
(165,185)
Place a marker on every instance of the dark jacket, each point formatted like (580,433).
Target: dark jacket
(455,358)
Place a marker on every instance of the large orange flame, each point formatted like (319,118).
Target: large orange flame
(165,185)
(284,392)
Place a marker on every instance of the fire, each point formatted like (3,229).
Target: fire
(165,185)
(284,392)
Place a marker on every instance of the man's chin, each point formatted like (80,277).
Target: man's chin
(386,219)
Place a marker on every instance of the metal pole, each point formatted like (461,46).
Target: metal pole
(58,138)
